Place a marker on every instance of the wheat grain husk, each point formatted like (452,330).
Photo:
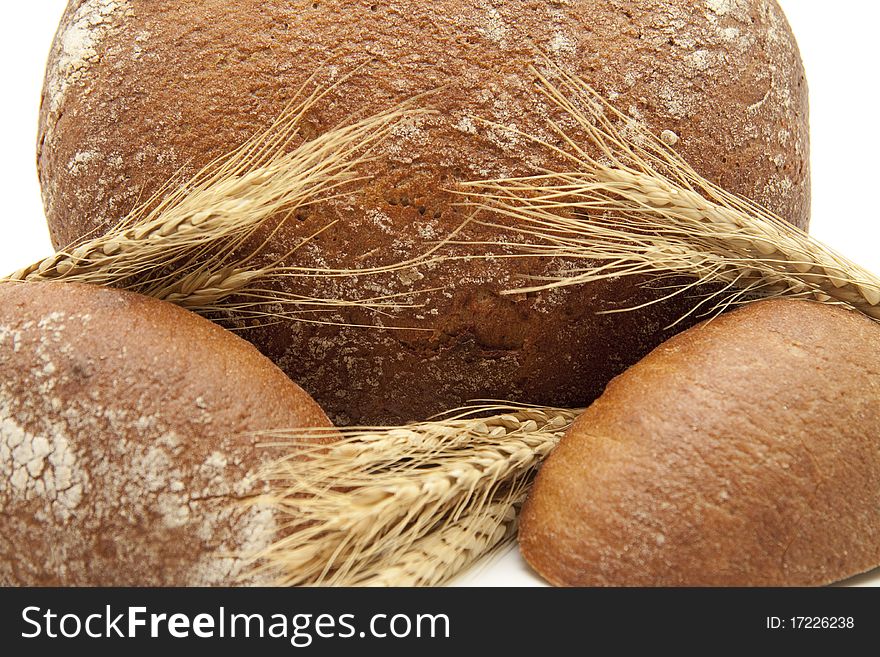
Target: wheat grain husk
(403,506)
(629,205)
(197,245)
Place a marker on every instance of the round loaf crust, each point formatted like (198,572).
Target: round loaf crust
(743,452)
(122,455)
(136,90)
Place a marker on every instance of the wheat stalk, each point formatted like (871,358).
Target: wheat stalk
(631,206)
(361,510)
(433,559)
(196,245)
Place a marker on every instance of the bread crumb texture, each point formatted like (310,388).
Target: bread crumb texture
(173,84)
(109,477)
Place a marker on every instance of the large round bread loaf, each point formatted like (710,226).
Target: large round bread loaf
(138,89)
(745,451)
(123,454)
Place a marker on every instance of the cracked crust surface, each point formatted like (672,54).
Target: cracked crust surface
(137,90)
(743,452)
(122,459)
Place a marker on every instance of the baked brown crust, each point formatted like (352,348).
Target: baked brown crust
(742,452)
(123,459)
(138,89)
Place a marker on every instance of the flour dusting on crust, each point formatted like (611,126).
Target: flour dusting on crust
(94,483)
(76,47)
(41,466)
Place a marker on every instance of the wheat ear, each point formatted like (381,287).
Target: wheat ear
(365,509)
(630,205)
(436,557)
(194,247)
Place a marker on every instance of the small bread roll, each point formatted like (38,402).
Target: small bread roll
(745,451)
(124,454)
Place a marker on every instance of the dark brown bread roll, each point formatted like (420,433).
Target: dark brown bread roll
(745,451)
(122,460)
(137,89)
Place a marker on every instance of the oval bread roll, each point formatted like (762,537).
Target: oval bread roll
(122,455)
(139,89)
(745,451)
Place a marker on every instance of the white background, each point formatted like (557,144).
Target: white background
(838,42)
